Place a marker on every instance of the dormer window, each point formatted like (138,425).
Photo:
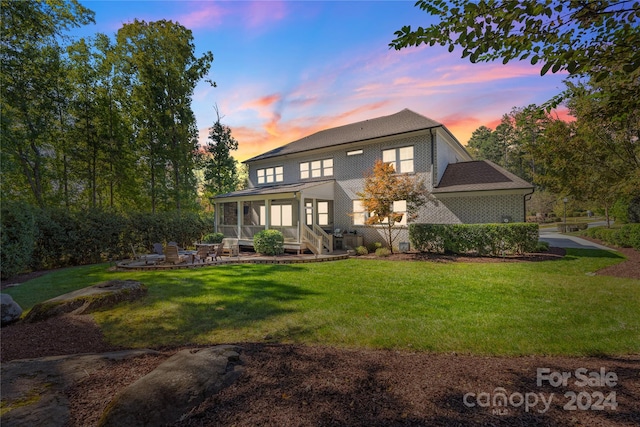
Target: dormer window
(270,175)
(316,169)
(400,158)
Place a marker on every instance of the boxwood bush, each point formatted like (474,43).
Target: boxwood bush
(213,238)
(627,236)
(269,242)
(482,239)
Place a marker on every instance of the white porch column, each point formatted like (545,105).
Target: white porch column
(240,213)
(267,214)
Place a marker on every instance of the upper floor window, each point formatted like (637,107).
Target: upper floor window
(269,175)
(400,158)
(316,169)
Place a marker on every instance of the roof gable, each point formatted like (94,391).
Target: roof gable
(394,124)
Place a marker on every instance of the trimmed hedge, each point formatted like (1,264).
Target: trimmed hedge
(35,239)
(483,239)
(18,235)
(627,236)
(269,242)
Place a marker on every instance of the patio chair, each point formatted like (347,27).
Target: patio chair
(203,254)
(218,253)
(172,255)
(157,248)
(230,246)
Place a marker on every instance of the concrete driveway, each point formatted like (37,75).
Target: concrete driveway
(559,240)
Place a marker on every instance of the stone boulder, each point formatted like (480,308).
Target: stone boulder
(88,299)
(33,390)
(10,311)
(175,387)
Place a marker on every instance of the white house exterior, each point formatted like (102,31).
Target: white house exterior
(308,188)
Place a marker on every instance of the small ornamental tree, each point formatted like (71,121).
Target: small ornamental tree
(382,188)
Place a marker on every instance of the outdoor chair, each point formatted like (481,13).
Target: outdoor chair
(218,252)
(157,248)
(148,259)
(172,255)
(230,246)
(203,254)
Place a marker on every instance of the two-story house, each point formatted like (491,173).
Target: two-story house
(308,188)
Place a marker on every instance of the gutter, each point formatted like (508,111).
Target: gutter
(524,204)
(433,155)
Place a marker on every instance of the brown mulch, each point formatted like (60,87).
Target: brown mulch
(551,255)
(296,385)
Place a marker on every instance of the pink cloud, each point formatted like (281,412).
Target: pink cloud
(260,13)
(206,16)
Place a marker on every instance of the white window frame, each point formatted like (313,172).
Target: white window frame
(359,214)
(402,158)
(280,213)
(323,213)
(316,168)
(270,175)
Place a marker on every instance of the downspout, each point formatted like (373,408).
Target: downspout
(524,204)
(433,160)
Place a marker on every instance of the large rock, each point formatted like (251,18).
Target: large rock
(33,390)
(88,299)
(175,387)
(9,309)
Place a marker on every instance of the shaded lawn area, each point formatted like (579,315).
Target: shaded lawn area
(544,308)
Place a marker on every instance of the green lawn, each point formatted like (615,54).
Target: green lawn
(553,307)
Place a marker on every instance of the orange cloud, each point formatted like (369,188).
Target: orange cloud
(265,101)
(275,132)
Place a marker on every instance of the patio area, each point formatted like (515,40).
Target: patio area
(242,258)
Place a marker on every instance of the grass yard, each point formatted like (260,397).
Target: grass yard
(551,307)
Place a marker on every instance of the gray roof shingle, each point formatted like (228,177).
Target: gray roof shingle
(394,124)
(478,175)
(274,189)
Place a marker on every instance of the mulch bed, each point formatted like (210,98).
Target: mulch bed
(296,385)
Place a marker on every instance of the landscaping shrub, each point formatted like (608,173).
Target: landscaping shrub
(213,238)
(483,239)
(542,247)
(574,226)
(57,237)
(269,242)
(18,236)
(627,236)
(383,252)
(362,250)
(372,247)
(633,212)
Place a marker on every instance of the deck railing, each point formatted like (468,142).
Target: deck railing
(312,239)
(327,239)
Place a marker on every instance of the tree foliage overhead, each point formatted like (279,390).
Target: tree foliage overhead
(581,37)
(30,79)
(97,122)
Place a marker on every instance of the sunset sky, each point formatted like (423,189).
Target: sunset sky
(286,69)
